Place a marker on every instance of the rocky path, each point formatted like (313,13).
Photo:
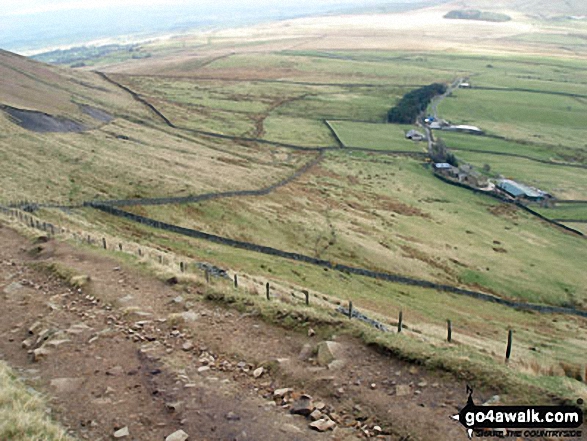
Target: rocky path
(125,353)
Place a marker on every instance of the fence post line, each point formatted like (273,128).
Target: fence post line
(235,281)
(508,350)
(400,321)
(448,331)
(267,290)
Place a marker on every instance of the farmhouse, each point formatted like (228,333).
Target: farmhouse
(415,135)
(517,190)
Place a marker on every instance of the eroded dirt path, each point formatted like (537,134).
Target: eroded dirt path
(127,350)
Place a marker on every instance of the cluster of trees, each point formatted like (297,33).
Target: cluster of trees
(440,153)
(414,102)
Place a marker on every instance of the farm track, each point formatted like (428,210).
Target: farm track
(110,208)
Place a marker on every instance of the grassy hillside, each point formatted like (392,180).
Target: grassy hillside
(379,210)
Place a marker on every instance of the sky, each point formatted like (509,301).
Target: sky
(28,7)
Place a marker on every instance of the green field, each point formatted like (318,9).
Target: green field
(525,116)
(460,141)
(381,136)
(565,212)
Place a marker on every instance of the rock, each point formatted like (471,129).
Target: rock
(57,343)
(258,372)
(401,390)
(66,385)
(373,385)
(13,288)
(231,416)
(377,429)
(323,424)
(35,327)
(320,405)
(311,332)
(316,415)
(178,300)
(40,353)
(79,281)
(327,352)
(202,369)
(422,384)
(28,343)
(303,406)
(188,346)
(172,281)
(336,365)
(174,407)
(116,370)
(278,393)
(180,435)
(306,352)
(78,328)
(493,400)
(121,433)
(189,316)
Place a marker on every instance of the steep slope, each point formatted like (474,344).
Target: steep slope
(67,136)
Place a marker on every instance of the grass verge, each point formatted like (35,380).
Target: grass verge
(22,414)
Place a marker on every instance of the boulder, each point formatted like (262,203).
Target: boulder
(328,351)
(180,435)
(121,433)
(323,424)
(303,406)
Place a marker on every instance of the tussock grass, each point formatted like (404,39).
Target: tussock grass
(22,414)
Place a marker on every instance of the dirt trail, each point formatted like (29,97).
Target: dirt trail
(117,358)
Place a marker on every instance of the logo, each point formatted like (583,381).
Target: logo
(517,421)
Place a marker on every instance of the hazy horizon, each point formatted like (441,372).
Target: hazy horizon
(33,25)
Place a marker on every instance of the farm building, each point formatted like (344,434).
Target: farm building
(444,168)
(517,190)
(465,129)
(465,85)
(415,135)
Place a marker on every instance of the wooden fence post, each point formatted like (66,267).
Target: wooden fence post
(120,247)
(160,259)
(508,350)
(448,331)
(400,321)
(350,309)
(140,252)
(104,243)
(307,294)
(207,273)
(267,289)
(235,281)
